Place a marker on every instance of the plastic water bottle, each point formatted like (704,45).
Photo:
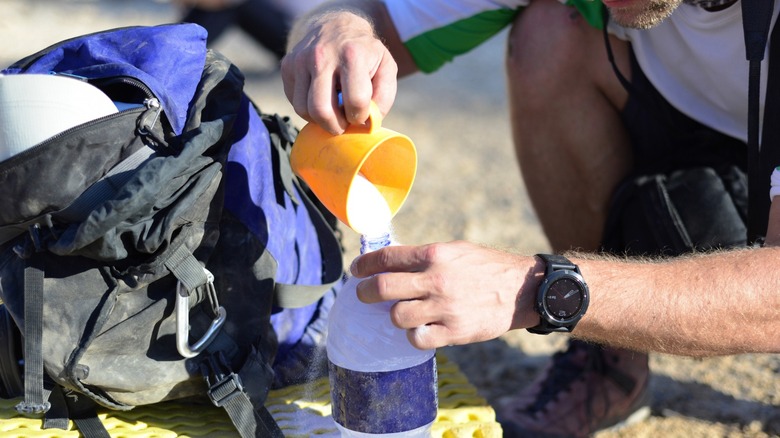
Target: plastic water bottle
(381,385)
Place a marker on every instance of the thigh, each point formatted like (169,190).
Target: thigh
(565,108)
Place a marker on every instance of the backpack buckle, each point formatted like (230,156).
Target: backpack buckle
(227,384)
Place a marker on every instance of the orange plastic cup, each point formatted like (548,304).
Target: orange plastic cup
(329,163)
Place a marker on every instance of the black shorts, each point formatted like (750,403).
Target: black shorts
(688,188)
(664,139)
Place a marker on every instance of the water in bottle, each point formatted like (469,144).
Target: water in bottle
(381,385)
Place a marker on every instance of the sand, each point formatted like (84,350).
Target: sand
(467,187)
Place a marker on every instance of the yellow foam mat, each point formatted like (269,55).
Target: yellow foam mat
(300,410)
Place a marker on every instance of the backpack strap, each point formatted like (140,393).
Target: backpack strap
(770,155)
(294,295)
(35,395)
(757,17)
(226,390)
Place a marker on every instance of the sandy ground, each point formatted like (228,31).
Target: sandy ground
(467,187)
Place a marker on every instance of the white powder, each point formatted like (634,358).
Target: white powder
(367,209)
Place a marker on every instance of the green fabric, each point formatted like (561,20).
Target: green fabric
(591,10)
(433,49)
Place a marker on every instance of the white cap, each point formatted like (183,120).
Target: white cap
(35,107)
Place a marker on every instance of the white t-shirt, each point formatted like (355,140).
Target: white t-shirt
(695,58)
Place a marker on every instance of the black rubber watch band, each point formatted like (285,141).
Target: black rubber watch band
(557,262)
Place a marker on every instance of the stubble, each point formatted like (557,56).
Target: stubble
(644,16)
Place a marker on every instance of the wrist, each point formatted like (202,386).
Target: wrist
(525,314)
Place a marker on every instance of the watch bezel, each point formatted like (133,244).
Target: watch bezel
(544,288)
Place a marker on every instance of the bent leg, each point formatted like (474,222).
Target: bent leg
(565,104)
(573,150)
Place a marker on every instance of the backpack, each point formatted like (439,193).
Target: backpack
(163,252)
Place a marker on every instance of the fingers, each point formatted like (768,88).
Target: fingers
(358,93)
(428,337)
(459,292)
(310,85)
(398,258)
(385,84)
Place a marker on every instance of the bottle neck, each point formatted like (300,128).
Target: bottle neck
(374,242)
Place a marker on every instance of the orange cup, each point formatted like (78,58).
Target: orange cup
(330,163)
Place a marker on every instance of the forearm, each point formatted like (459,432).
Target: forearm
(714,304)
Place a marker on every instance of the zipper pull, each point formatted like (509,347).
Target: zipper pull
(148,120)
(153,110)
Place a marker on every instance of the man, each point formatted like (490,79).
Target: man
(590,132)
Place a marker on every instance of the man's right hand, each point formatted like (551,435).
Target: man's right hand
(336,50)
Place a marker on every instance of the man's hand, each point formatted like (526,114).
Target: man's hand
(337,50)
(451,293)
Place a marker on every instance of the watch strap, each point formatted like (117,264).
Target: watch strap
(557,262)
(545,328)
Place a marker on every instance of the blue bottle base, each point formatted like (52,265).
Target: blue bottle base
(384,402)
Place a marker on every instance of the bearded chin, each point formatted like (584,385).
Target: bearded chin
(650,15)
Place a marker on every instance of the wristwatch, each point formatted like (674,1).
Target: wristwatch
(562,298)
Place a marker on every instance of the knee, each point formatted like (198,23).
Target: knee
(548,43)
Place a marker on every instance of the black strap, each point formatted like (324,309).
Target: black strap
(770,155)
(57,417)
(756,17)
(83,411)
(610,55)
(226,390)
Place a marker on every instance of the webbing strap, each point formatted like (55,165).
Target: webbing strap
(57,417)
(35,396)
(83,412)
(226,391)
(756,18)
(251,422)
(292,296)
(186,268)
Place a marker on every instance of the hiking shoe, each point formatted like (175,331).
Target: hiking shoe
(584,389)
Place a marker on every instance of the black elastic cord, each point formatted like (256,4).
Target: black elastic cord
(623,81)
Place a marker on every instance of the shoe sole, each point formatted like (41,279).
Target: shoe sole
(641,412)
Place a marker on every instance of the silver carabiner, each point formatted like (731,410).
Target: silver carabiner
(183,321)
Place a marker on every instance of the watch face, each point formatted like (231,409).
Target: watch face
(564,299)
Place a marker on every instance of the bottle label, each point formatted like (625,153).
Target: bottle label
(384,402)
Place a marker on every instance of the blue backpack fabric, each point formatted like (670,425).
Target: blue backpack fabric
(163,252)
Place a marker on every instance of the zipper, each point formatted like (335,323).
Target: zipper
(127,80)
(150,111)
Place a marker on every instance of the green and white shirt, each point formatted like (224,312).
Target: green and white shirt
(695,58)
